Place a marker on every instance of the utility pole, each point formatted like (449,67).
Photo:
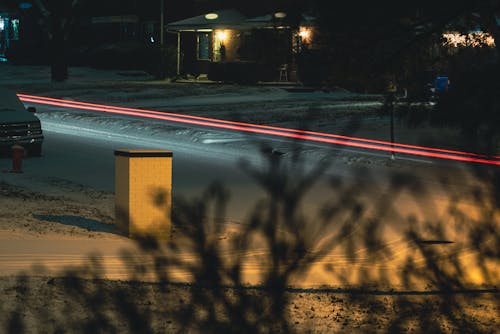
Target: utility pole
(162,72)
(162,19)
(178,53)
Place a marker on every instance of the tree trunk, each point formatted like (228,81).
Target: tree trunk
(59,65)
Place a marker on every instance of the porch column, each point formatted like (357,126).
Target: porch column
(7,24)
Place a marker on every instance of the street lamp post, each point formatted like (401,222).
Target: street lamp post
(162,72)
(391,92)
(392,125)
(162,18)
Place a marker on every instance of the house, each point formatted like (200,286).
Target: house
(9,29)
(21,38)
(264,47)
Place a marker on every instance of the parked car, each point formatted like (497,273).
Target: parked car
(18,125)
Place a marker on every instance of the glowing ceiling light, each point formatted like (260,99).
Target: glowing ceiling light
(211,16)
(328,138)
(280,15)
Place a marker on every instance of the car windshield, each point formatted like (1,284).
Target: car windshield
(9,101)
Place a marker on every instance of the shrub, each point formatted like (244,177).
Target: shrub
(242,72)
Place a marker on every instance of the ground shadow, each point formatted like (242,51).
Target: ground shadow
(81,222)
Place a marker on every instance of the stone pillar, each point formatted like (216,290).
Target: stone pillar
(143,192)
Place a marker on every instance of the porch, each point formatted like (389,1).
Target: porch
(226,46)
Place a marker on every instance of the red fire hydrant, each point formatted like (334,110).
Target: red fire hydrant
(18,153)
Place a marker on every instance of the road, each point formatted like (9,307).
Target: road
(87,159)
(83,152)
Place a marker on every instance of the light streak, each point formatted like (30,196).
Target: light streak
(99,107)
(370,144)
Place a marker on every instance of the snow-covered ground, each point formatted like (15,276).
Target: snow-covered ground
(333,111)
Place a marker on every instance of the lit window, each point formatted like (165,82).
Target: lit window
(203,47)
(14,35)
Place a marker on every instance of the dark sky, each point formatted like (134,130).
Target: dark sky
(175,10)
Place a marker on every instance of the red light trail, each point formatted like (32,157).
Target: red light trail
(370,144)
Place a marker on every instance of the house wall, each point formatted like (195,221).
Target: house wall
(232,43)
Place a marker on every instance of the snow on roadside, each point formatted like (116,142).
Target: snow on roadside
(319,110)
(33,208)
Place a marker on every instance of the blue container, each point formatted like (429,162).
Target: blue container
(441,84)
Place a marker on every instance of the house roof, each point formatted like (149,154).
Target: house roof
(264,21)
(7,10)
(269,20)
(4,9)
(229,18)
(261,19)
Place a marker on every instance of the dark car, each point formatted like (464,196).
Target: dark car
(18,125)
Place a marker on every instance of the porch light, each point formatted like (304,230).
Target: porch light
(305,34)
(211,16)
(221,35)
(280,15)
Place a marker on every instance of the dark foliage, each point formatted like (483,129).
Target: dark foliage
(473,104)
(241,72)
(369,42)
(313,67)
